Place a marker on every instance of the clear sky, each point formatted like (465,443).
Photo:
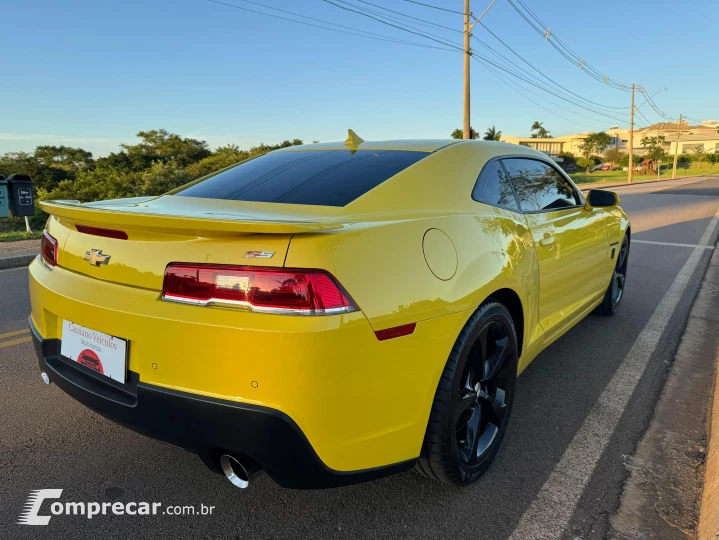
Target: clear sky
(92,73)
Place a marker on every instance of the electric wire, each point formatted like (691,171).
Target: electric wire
(434,7)
(394,25)
(354,32)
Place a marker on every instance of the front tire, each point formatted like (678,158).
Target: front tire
(615,292)
(473,400)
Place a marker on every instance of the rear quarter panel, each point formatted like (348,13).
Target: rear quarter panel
(383,267)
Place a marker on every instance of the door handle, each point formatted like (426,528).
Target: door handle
(547,241)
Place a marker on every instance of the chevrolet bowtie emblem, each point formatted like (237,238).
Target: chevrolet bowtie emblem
(96,258)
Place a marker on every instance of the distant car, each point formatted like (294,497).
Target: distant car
(263,336)
(570,168)
(601,167)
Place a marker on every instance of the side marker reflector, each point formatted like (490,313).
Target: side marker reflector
(397,331)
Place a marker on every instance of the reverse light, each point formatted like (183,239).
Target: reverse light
(48,248)
(266,290)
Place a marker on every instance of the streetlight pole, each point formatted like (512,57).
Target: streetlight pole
(631,141)
(676,148)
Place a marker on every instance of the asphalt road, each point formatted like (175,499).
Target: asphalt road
(47,440)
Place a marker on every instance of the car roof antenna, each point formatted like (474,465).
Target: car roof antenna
(353,140)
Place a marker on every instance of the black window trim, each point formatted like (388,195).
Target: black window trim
(517,210)
(576,190)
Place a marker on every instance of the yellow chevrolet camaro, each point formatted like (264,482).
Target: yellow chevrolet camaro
(328,313)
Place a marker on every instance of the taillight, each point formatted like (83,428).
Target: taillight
(265,290)
(48,248)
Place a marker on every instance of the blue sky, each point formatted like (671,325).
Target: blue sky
(92,73)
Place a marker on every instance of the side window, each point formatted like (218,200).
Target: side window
(539,186)
(493,187)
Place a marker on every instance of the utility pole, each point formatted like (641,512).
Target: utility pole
(467,129)
(631,141)
(467,57)
(676,148)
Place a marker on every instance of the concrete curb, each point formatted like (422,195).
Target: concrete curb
(707,304)
(16,262)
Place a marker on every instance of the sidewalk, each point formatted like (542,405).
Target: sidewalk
(602,185)
(15,254)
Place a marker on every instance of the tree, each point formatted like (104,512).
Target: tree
(539,132)
(653,142)
(712,158)
(459,134)
(492,134)
(160,162)
(156,145)
(700,154)
(613,156)
(585,163)
(593,144)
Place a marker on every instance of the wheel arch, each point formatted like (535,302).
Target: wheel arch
(510,299)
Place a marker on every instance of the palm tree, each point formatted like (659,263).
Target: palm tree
(492,134)
(459,134)
(543,133)
(535,127)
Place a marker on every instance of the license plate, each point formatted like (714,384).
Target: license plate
(101,352)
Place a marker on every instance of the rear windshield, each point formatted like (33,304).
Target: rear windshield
(328,178)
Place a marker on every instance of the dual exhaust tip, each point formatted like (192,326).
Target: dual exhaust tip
(240,470)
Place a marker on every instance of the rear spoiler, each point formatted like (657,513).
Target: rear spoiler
(143,218)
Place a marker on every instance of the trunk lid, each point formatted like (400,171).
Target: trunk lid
(170,229)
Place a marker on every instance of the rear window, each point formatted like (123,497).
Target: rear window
(328,178)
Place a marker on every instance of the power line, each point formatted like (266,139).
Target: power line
(549,91)
(385,17)
(410,17)
(395,26)
(513,86)
(565,51)
(353,32)
(541,73)
(435,7)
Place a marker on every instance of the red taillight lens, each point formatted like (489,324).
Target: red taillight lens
(269,290)
(98,231)
(48,249)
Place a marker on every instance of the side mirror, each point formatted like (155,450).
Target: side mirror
(600,198)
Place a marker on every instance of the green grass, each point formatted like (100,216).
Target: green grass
(14,236)
(618,175)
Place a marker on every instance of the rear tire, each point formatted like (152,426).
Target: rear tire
(473,400)
(615,292)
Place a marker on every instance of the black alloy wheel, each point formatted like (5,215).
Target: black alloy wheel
(465,431)
(615,292)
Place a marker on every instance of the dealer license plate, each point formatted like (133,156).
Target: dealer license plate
(98,351)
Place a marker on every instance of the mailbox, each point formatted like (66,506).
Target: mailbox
(22,201)
(4,200)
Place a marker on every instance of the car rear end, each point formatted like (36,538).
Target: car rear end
(208,342)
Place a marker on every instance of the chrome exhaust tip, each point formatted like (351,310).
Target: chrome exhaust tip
(239,470)
(45,378)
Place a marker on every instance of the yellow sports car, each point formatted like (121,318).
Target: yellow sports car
(329,313)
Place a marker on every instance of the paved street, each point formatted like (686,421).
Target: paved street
(49,441)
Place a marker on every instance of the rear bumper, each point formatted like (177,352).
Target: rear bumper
(206,426)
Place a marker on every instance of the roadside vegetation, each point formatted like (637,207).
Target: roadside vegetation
(14,236)
(161,161)
(618,175)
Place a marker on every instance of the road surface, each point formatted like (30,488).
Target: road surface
(559,473)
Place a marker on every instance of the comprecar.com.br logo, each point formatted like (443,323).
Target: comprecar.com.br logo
(30,514)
